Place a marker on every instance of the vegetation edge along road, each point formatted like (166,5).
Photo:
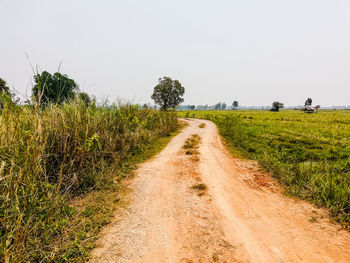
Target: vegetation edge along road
(98,207)
(308,154)
(61,169)
(194,202)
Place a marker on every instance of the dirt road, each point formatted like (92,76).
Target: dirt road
(241,216)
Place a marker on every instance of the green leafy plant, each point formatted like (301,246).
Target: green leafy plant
(56,88)
(168,93)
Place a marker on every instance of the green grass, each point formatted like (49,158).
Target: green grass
(95,209)
(307,153)
(60,174)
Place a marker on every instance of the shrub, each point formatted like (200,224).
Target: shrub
(56,88)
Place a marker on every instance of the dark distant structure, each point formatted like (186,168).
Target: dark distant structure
(308,108)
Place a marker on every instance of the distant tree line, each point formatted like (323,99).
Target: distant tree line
(276,106)
(57,88)
(217,106)
(167,94)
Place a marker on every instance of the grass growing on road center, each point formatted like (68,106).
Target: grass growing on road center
(192,144)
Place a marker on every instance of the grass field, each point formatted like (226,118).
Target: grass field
(60,169)
(308,153)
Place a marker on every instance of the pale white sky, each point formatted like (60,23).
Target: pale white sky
(249,50)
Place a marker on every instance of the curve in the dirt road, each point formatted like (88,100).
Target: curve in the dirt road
(215,208)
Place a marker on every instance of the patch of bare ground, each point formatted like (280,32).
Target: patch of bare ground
(170,217)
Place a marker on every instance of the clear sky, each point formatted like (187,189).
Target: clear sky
(253,51)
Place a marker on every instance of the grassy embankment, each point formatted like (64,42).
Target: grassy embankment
(308,153)
(60,173)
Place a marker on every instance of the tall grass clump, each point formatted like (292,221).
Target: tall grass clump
(49,156)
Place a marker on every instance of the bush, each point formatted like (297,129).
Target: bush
(56,88)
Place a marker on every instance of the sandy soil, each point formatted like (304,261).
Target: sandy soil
(241,216)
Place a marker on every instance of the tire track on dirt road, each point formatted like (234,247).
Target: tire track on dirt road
(242,217)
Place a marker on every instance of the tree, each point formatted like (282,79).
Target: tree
(276,106)
(218,106)
(84,97)
(308,102)
(4,89)
(5,94)
(168,93)
(55,88)
(223,106)
(192,107)
(235,105)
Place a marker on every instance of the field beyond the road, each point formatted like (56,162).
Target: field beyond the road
(307,153)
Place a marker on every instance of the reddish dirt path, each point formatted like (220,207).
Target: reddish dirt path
(241,217)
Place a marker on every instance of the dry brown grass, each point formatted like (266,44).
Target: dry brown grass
(199,186)
(192,144)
